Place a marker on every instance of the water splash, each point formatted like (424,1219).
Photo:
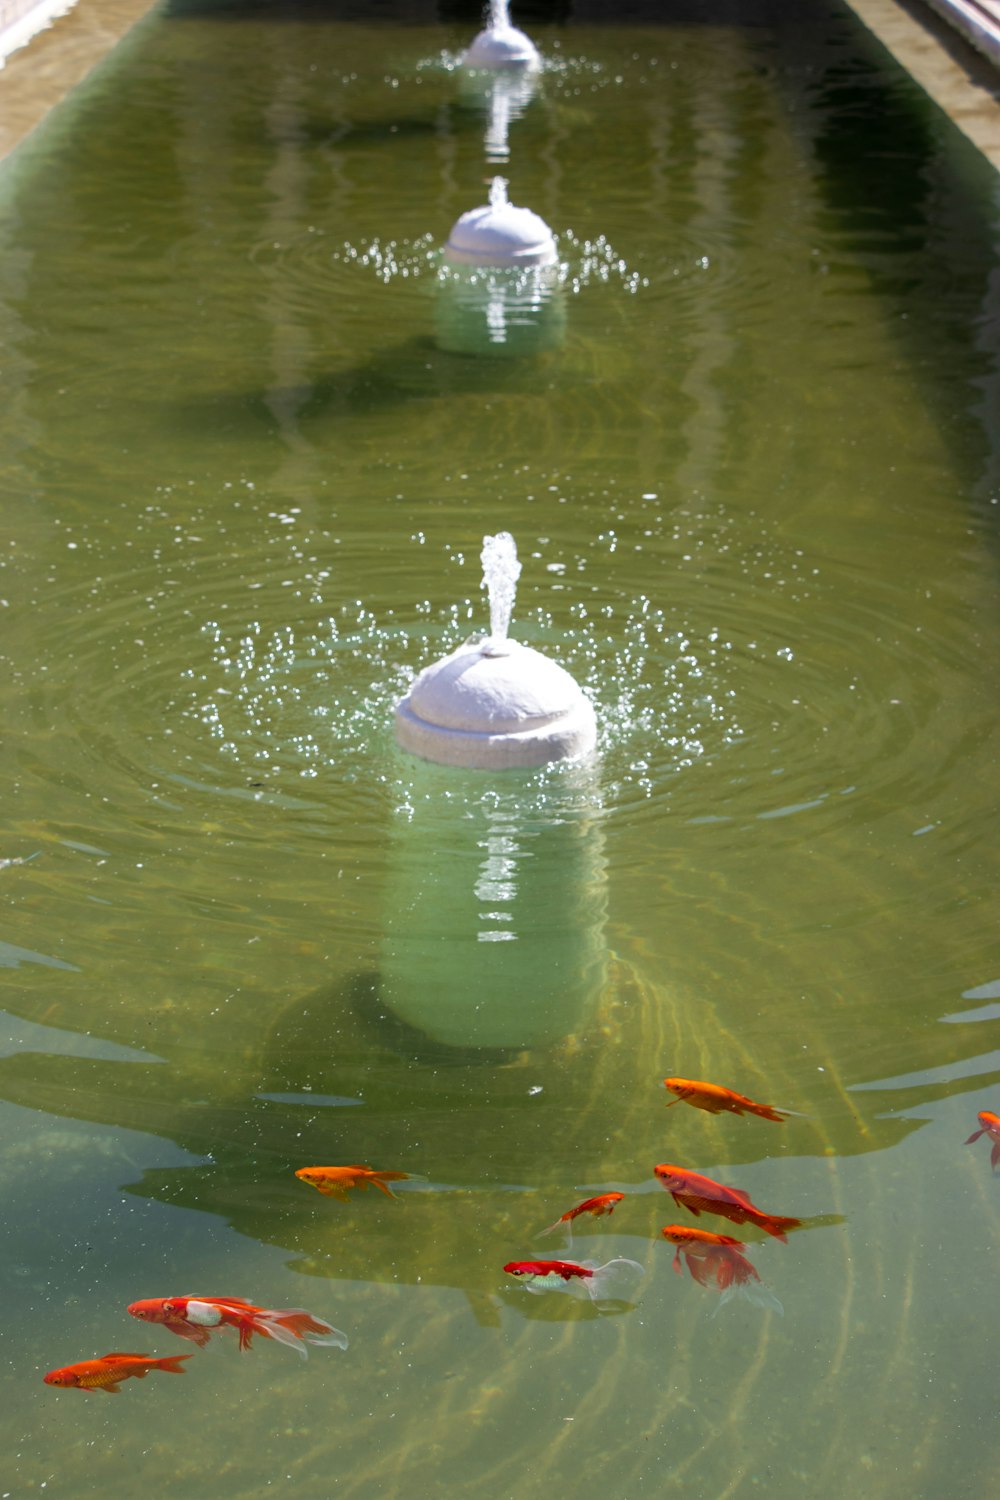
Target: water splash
(499,15)
(312,698)
(589,262)
(501,570)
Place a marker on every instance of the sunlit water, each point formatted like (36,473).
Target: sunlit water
(752,472)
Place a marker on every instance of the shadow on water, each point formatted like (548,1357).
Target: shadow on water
(414,370)
(913,202)
(495,1144)
(388,12)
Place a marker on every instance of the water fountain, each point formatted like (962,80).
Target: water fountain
(499,287)
(494,928)
(496,703)
(500,234)
(501,45)
(499,74)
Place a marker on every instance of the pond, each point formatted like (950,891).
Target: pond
(753,472)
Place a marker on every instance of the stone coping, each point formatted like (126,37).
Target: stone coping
(959,79)
(38,67)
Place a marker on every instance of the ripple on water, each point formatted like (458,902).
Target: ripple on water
(240,666)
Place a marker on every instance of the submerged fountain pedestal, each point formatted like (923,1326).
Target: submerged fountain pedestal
(494,930)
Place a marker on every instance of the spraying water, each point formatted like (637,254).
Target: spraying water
(499,15)
(501,570)
(498,198)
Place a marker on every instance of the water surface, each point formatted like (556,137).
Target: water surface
(752,470)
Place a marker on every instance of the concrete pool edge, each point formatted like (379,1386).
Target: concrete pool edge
(47,63)
(958,78)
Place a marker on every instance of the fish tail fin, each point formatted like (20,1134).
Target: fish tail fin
(332,1340)
(382,1179)
(778,1226)
(303,1325)
(760,1295)
(974,1136)
(995,1156)
(727,1273)
(271,1328)
(768,1112)
(743,1272)
(173,1364)
(752,1291)
(554,1228)
(605,1276)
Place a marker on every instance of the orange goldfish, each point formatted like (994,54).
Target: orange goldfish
(104,1374)
(989,1124)
(700,1194)
(195,1318)
(333,1182)
(718,1258)
(543,1275)
(714,1098)
(606,1203)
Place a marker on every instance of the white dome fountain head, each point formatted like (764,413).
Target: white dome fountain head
(499,234)
(501,45)
(495,704)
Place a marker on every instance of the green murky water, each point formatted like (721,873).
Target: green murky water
(753,474)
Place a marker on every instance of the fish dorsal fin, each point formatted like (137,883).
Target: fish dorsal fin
(117,1354)
(742,1196)
(221,1301)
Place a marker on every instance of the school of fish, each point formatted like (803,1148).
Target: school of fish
(717,1262)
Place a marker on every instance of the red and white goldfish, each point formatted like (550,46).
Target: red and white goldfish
(333,1182)
(715,1098)
(605,1203)
(720,1259)
(544,1275)
(104,1374)
(701,1195)
(196,1318)
(989,1124)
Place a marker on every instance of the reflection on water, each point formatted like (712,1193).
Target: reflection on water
(753,482)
